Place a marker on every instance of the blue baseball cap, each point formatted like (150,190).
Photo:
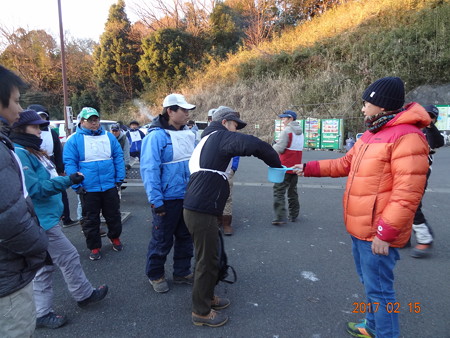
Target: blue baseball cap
(289,113)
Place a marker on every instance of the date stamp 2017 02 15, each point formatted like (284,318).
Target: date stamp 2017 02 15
(362,307)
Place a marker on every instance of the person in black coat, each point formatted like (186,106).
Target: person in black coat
(205,199)
(422,230)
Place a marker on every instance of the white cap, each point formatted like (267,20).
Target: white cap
(211,111)
(177,100)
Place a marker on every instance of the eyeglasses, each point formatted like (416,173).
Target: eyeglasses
(92,121)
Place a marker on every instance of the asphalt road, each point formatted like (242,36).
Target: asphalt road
(296,280)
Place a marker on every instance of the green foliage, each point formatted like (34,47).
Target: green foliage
(413,46)
(225,33)
(86,98)
(167,56)
(115,67)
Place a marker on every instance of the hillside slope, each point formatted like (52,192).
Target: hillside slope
(321,67)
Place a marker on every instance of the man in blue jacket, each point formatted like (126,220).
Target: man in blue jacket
(98,155)
(165,155)
(23,242)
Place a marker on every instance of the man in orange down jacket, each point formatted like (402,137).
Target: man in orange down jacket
(386,171)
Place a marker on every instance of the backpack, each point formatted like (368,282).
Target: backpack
(223,264)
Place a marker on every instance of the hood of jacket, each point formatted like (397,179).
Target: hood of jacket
(295,127)
(414,114)
(161,122)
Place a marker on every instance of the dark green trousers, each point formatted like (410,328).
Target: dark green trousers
(204,230)
(279,197)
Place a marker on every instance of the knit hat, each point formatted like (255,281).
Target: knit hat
(30,117)
(226,113)
(289,113)
(387,93)
(432,110)
(115,127)
(87,112)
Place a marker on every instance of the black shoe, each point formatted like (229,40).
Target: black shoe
(96,296)
(69,222)
(51,321)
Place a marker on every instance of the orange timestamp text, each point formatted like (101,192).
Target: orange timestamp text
(362,307)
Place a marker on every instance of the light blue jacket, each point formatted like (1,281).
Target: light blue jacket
(165,161)
(45,192)
(98,156)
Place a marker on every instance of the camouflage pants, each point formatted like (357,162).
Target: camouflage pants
(279,197)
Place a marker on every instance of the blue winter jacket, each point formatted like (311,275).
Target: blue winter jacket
(135,147)
(98,156)
(45,192)
(164,161)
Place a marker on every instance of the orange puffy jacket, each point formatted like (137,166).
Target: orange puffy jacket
(386,177)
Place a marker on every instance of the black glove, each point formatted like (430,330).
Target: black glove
(80,191)
(160,210)
(127,167)
(76,178)
(118,185)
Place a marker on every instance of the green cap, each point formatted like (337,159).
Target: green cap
(87,112)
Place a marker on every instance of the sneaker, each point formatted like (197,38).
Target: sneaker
(360,330)
(96,296)
(189,279)
(278,222)
(219,303)
(51,321)
(421,251)
(68,223)
(95,255)
(292,219)
(116,244)
(160,285)
(213,319)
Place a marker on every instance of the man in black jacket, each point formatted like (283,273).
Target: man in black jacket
(23,242)
(422,230)
(205,199)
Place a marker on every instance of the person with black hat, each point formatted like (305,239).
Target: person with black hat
(52,145)
(205,199)
(386,169)
(135,137)
(23,242)
(290,148)
(422,230)
(44,186)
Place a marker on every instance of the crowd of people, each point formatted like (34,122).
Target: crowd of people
(188,185)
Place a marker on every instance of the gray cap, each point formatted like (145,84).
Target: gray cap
(226,113)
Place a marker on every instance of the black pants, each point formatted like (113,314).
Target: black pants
(65,200)
(108,203)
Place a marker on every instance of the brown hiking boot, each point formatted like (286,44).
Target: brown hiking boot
(219,303)
(213,319)
(226,225)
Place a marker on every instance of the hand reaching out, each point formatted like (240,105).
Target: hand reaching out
(298,169)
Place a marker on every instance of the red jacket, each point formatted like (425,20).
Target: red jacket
(386,178)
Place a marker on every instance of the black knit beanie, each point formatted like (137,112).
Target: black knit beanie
(387,93)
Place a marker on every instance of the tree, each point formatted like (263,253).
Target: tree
(115,61)
(225,30)
(167,56)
